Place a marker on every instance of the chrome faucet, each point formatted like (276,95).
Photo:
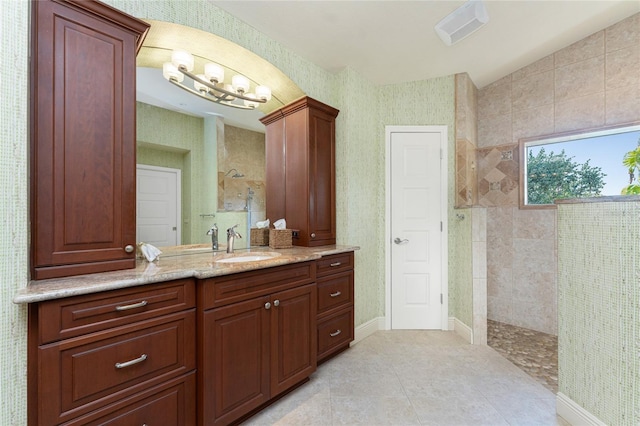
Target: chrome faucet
(232,234)
(214,236)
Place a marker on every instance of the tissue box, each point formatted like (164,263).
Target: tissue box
(259,236)
(280,238)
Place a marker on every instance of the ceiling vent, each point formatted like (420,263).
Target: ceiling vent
(462,22)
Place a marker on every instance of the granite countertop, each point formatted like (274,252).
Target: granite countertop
(195,261)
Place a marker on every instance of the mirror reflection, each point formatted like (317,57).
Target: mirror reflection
(199,163)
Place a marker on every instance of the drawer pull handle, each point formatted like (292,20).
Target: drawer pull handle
(335,333)
(132,362)
(336,294)
(336,264)
(132,306)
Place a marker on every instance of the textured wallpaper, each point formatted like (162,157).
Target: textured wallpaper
(365,110)
(599,305)
(432,102)
(14,33)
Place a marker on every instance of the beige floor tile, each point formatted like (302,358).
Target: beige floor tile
(415,377)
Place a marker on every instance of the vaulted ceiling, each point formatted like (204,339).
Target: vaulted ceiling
(394,41)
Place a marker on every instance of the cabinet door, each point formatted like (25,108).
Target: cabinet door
(83,138)
(322,192)
(293,345)
(234,361)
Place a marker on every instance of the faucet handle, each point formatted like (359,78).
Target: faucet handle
(232,231)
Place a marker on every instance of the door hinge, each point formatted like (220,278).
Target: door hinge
(441,299)
(441,226)
(441,154)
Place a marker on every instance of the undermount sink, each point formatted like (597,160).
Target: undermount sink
(249,257)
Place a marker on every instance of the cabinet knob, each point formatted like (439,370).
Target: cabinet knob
(129,248)
(267,305)
(313,235)
(276,302)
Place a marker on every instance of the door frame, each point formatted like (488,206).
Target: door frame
(178,174)
(444,196)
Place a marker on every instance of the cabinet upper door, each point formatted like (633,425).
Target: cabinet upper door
(322,186)
(83,138)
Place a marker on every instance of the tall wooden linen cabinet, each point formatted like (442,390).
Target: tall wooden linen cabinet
(83,137)
(300,176)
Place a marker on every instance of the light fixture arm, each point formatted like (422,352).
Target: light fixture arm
(217,99)
(212,86)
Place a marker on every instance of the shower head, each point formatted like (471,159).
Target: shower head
(237,174)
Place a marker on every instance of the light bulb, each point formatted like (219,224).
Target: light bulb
(170,72)
(251,104)
(199,86)
(182,58)
(214,72)
(240,83)
(263,92)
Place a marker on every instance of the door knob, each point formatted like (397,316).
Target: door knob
(399,241)
(129,248)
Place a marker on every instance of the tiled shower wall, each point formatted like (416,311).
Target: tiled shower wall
(591,83)
(466,141)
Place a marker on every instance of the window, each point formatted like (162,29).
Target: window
(578,165)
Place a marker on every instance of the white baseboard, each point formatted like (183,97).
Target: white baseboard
(573,413)
(462,329)
(367,329)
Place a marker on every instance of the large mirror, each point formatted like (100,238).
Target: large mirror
(200,163)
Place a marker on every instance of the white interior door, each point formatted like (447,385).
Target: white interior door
(417,198)
(158,205)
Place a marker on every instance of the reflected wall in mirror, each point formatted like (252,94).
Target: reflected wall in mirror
(219,150)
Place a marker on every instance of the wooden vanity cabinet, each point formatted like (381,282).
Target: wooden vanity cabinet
(335,322)
(300,170)
(83,136)
(119,357)
(257,339)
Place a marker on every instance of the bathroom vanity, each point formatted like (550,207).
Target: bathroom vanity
(199,337)
(190,339)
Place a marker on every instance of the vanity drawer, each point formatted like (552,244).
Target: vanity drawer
(334,263)
(172,403)
(335,291)
(85,373)
(335,333)
(220,291)
(74,316)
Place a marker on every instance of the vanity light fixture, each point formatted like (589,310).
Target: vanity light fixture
(211,86)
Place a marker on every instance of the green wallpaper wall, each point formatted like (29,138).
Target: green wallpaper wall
(365,110)
(14,36)
(599,308)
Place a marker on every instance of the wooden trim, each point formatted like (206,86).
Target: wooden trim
(114,16)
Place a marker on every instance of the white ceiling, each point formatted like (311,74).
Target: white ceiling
(394,41)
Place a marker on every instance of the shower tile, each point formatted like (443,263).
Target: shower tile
(589,47)
(580,113)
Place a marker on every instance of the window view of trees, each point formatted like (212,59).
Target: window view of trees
(555,176)
(632,162)
(597,163)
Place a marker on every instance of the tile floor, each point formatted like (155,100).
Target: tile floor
(532,351)
(415,378)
